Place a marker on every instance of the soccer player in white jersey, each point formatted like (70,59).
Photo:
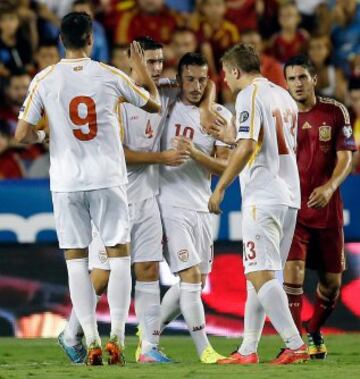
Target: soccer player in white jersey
(87,171)
(266,119)
(184,194)
(141,132)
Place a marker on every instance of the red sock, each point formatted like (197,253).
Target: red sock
(323,308)
(295,297)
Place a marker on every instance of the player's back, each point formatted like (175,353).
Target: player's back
(271,176)
(79,97)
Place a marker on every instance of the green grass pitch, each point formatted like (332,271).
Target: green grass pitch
(43,358)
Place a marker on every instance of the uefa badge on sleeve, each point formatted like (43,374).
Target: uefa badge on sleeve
(347,131)
(325,133)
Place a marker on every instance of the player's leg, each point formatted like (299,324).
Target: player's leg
(146,253)
(109,213)
(170,306)
(181,230)
(294,272)
(263,232)
(74,233)
(330,249)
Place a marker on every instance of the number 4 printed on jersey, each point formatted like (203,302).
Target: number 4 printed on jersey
(149,131)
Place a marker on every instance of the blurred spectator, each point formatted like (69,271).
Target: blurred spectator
(10,164)
(270,67)
(290,40)
(267,11)
(149,17)
(181,5)
(28,20)
(58,7)
(308,10)
(15,93)
(354,93)
(183,41)
(214,32)
(15,48)
(120,57)
(346,33)
(242,13)
(100,51)
(46,55)
(331,81)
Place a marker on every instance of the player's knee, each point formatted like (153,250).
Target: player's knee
(330,286)
(191,275)
(147,271)
(294,272)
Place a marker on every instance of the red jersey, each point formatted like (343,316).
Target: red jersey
(283,50)
(322,131)
(134,23)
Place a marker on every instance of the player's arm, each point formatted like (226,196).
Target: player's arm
(153,104)
(321,196)
(209,118)
(171,157)
(238,160)
(27,133)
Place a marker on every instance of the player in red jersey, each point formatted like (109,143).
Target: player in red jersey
(325,146)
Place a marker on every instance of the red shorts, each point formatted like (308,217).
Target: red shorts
(321,249)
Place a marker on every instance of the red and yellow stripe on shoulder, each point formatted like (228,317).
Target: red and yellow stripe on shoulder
(341,106)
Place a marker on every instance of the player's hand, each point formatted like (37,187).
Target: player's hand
(211,121)
(137,61)
(215,200)
(184,144)
(174,157)
(320,196)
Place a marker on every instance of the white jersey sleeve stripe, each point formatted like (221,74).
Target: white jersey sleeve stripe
(121,122)
(29,99)
(130,84)
(252,117)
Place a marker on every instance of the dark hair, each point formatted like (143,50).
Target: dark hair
(191,59)
(244,57)
(147,43)
(75,29)
(303,61)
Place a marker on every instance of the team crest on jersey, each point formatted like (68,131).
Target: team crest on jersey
(347,131)
(183,255)
(244,115)
(102,256)
(325,133)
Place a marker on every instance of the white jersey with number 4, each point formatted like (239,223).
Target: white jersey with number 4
(267,114)
(188,185)
(142,132)
(80,97)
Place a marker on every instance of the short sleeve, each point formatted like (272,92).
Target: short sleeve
(248,114)
(133,94)
(344,134)
(33,108)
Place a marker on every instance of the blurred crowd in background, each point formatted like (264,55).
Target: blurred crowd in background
(327,31)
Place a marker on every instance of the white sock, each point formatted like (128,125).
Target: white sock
(193,311)
(73,333)
(254,320)
(83,298)
(170,306)
(147,308)
(119,295)
(275,303)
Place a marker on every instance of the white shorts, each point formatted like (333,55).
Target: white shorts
(267,235)
(188,238)
(146,236)
(107,208)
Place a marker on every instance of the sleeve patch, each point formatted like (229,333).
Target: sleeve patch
(347,131)
(244,129)
(243,116)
